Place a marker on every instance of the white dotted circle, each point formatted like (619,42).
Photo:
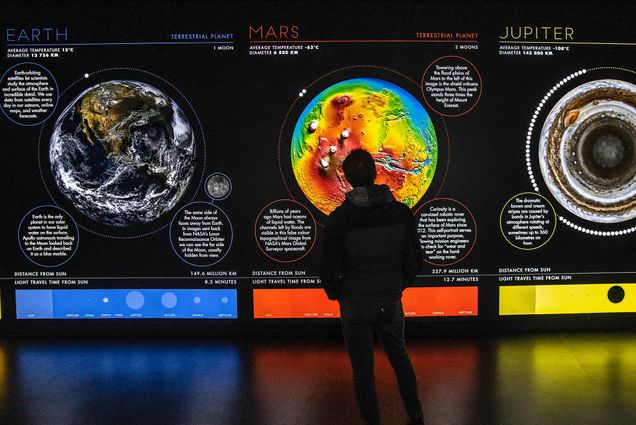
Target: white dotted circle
(534,118)
(597,232)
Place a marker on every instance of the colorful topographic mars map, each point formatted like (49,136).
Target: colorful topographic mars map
(367,113)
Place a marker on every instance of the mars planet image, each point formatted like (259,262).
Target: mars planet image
(122,152)
(367,113)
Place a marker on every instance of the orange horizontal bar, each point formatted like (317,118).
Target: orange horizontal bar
(441,301)
(293,304)
(313,303)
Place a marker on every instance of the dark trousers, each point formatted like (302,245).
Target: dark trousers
(359,323)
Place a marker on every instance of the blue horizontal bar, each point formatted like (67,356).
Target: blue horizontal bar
(126,304)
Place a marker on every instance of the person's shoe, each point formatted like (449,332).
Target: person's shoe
(417,421)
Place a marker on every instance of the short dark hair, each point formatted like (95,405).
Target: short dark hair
(359,168)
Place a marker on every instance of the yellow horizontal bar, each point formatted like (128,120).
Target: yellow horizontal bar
(564,299)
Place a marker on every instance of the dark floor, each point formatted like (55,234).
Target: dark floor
(554,379)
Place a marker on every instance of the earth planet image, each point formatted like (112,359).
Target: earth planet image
(367,113)
(123,152)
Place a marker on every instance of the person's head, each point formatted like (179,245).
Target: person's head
(359,168)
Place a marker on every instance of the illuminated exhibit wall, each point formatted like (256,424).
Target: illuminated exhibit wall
(182,163)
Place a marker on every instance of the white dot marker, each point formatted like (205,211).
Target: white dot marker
(86,75)
(105,300)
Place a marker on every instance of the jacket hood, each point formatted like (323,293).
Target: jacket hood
(370,195)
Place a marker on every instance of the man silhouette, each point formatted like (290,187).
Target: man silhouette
(369,255)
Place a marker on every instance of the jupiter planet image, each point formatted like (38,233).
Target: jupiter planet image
(367,113)
(587,151)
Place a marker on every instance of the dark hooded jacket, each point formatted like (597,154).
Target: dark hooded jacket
(371,250)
